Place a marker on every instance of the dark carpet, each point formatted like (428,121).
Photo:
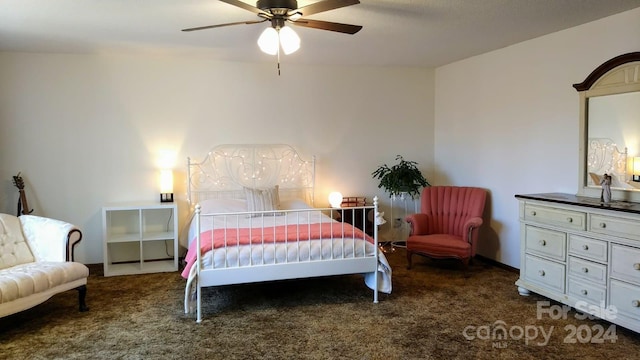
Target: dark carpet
(434,312)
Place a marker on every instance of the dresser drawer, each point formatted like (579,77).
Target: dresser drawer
(585,291)
(625,263)
(568,219)
(588,270)
(545,273)
(626,298)
(544,242)
(607,225)
(588,248)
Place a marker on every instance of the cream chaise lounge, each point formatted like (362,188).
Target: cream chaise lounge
(36,262)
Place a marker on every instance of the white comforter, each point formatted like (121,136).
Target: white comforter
(276,253)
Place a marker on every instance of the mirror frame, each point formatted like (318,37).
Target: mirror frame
(618,75)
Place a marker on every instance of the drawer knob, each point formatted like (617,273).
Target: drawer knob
(542,242)
(541,272)
(602,225)
(636,266)
(570,219)
(585,270)
(585,247)
(533,213)
(635,303)
(584,292)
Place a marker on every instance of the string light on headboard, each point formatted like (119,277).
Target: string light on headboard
(228,168)
(603,156)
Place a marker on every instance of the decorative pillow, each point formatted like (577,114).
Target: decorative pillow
(262,199)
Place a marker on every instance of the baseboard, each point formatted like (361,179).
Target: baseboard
(497,264)
(96,269)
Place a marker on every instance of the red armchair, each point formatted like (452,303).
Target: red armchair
(448,222)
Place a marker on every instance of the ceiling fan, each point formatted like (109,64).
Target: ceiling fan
(279,12)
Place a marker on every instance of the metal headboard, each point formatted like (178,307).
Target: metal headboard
(227,168)
(604,157)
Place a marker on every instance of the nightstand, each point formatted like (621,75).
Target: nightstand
(140,238)
(350,214)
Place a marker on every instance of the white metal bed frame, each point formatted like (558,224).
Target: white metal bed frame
(603,156)
(223,173)
(227,168)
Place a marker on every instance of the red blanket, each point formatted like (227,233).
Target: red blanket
(269,235)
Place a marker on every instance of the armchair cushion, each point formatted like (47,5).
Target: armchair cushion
(443,245)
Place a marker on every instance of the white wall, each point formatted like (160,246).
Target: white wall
(86,130)
(508,120)
(89,129)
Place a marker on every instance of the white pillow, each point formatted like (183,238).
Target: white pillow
(294,204)
(262,199)
(212,206)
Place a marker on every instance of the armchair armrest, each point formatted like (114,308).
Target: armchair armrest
(50,239)
(469,226)
(419,223)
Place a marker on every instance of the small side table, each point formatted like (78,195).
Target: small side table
(356,216)
(140,238)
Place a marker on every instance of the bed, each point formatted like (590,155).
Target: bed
(604,157)
(254,220)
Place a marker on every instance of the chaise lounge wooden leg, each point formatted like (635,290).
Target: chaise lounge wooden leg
(409,253)
(82,294)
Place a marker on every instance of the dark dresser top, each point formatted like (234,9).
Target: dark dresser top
(570,199)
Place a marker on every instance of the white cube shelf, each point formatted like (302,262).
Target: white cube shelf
(140,238)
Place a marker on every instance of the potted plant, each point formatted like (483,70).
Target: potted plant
(403,177)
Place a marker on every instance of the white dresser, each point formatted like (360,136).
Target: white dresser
(583,254)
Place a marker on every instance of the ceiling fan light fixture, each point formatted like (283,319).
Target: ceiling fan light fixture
(289,40)
(278,12)
(269,41)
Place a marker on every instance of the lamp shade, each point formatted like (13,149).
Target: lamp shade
(268,41)
(335,199)
(166,181)
(289,40)
(636,166)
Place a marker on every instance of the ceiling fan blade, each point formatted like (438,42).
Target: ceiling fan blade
(326,5)
(244,5)
(326,25)
(227,24)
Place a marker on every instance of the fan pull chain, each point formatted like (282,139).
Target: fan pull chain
(278,55)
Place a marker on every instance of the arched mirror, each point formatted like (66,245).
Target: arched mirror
(610,128)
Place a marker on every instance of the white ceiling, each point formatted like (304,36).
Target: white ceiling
(395,32)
